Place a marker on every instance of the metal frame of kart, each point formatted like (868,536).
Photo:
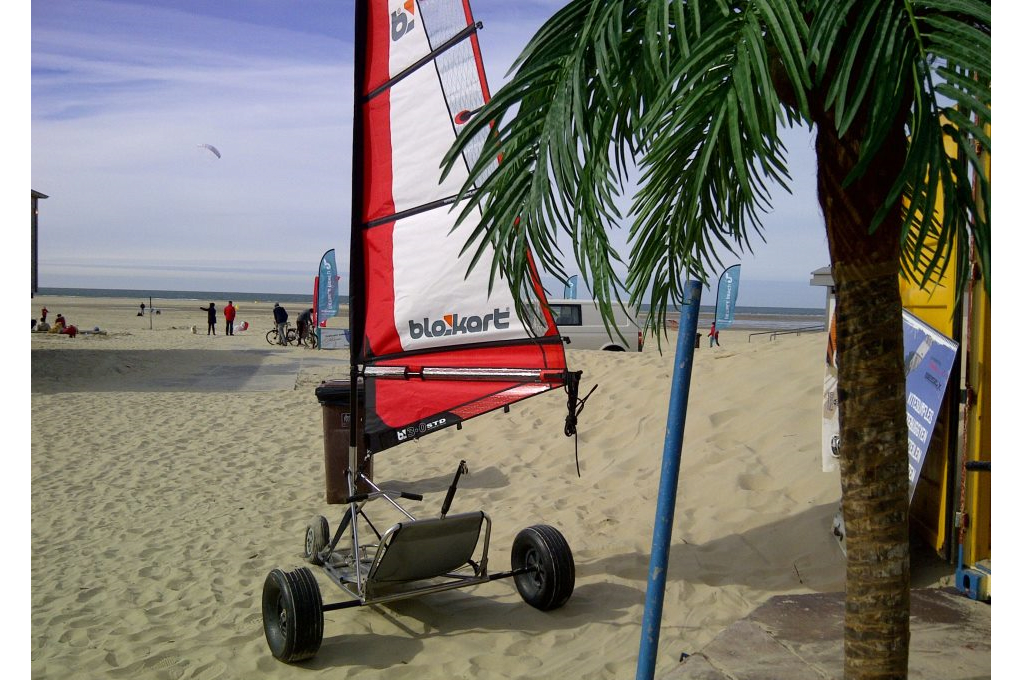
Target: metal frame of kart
(352,575)
(434,559)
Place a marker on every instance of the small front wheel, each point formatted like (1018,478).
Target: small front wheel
(293,616)
(549,573)
(318,535)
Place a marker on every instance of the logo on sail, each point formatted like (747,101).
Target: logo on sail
(402,20)
(416,431)
(457,324)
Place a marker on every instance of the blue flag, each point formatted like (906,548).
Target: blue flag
(728,291)
(327,295)
(570,287)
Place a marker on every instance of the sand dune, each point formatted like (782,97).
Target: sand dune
(157,512)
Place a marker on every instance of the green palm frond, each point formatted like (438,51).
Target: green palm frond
(689,96)
(916,63)
(680,91)
(712,146)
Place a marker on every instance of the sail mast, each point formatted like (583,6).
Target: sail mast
(355,277)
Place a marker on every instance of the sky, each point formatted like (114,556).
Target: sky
(124,93)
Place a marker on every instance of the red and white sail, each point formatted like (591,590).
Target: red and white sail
(433,345)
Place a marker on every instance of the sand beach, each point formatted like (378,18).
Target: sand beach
(172,470)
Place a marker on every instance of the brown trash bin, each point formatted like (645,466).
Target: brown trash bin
(334,397)
(696,342)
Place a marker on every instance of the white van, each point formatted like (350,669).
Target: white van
(579,322)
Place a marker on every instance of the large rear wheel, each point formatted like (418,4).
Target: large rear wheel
(550,573)
(293,616)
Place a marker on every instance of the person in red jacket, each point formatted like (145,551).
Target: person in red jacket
(229,318)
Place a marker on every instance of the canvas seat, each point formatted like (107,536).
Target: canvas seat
(425,548)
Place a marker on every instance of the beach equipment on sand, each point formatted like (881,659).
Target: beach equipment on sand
(430,345)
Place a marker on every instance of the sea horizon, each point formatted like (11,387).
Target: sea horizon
(299,297)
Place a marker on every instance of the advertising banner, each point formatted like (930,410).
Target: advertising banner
(316,301)
(928,361)
(830,404)
(332,338)
(728,291)
(327,300)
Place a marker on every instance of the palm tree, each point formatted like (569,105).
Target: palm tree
(690,95)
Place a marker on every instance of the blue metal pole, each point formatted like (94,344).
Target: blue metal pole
(669,481)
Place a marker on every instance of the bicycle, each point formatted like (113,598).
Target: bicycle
(308,341)
(291,336)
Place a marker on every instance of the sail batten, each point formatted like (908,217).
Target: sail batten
(425,60)
(458,373)
(438,342)
(412,211)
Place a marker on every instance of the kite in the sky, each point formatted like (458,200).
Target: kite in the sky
(211,148)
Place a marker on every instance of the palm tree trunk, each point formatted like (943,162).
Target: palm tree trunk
(872,403)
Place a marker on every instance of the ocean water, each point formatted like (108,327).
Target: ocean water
(747,318)
(199,295)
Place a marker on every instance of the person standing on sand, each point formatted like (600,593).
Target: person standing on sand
(281,319)
(211,318)
(713,336)
(305,322)
(229,319)
(43,314)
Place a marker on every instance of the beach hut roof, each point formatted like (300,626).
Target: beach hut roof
(822,277)
(19,192)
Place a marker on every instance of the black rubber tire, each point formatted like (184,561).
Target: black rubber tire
(291,337)
(293,616)
(318,535)
(552,581)
(272,336)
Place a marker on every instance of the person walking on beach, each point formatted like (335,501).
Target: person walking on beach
(142,310)
(211,318)
(281,319)
(713,336)
(229,318)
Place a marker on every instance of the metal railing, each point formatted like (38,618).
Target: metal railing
(819,328)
